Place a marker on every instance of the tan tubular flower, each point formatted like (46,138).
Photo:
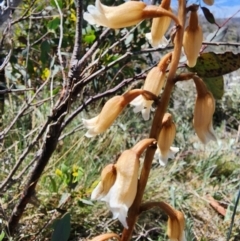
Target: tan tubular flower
(165,140)
(160,25)
(203,112)
(110,111)
(122,193)
(209,2)
(192,39)
(153,83)
(176,224)
(108,177)
(127,14)
(124,15)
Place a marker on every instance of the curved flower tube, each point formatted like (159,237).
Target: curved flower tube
(176,225)
(160,25)
(127,14)
(124,15)
(192,39)
(123,189)
(203,112)
(108,177)
(165,140)
(110,111)
(153,83)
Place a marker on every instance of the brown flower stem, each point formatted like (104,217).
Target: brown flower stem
(164,62)
(164,206)
(200,86)
(152,11)
(184,77)
(131,94)
(140,147)
(193,21)
(156,126)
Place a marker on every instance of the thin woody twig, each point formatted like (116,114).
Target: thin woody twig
(60,41)
(7,91)
(54,130)
(110,48)
(236,44)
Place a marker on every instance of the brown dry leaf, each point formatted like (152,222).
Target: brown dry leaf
(221,210)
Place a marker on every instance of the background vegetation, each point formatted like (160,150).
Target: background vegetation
(118,60)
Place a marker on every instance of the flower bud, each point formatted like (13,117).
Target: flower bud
(176,225)
(153,83)
(203,112)
(192,39)
(165,140)
(110,111)
(119,185)
(108,177)
(160,25)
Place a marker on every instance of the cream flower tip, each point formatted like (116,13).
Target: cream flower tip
(146,113)
(120,213)
(110,111)
(159,28)
(91,133)
(143,106)
(162,43)
(119,183)
(183,238)
(163,158)
(88,17)
(90,123)
(207,136)
(97,192)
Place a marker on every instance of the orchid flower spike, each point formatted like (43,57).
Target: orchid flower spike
(153,83)
(127,14)
(110,111)
(160,25)
(203,112)
(192,39)
(165,140)
(123,189)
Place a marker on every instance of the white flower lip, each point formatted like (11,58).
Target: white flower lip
(163,43)
(163,159)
